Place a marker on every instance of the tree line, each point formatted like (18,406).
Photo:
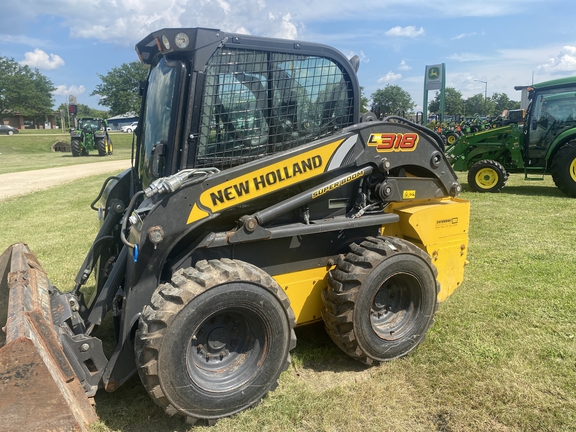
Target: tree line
(27,92)
(393,100)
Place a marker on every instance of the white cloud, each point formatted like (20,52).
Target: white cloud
(287,29)
(467,57)
(389,77)
(408,31)
(565,61)
(403,66)
(463,35)
(41,60)
(224,5)
(19,39)
(62,90)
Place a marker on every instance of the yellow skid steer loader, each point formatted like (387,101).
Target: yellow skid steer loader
(259,199)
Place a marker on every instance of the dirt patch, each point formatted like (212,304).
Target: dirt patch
(21,183)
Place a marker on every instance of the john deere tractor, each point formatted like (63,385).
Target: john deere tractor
(91,134)
(540,141)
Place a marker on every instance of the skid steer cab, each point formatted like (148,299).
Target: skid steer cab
(259,200)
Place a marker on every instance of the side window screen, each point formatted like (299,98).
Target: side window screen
(257,103)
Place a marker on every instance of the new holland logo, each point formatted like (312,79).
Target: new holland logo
(394,142)
(263,181)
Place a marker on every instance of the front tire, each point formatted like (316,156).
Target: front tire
(214,341)
(380,300)
(101,145)
(451,138)
(563,169)
(487,176)
(76,148)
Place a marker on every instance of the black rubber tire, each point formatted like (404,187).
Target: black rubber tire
(563,169)
(76,148)
(101,146)
(215,340)
(381,299)
(487,176)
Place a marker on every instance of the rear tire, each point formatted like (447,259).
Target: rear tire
(76,148)
(487,176)
(214,341)
(381,299)
(563,169)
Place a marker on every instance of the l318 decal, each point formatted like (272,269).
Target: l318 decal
(394,142)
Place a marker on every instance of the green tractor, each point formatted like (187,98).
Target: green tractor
(91,134)
(539,141)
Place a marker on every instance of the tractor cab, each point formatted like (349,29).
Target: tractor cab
(552,112)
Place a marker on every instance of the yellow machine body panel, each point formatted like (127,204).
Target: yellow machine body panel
(440,227)
(304,289)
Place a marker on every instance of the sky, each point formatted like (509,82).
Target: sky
(488,46)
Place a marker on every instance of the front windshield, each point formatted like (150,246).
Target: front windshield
(156,119)
(88,124)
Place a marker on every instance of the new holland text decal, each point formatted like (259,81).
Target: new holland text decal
(394,142)
(263,181)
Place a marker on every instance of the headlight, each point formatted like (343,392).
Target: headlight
(181,40)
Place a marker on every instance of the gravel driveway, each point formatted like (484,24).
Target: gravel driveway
(21,183)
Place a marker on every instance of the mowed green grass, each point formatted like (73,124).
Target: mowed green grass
(501,355)
(32,149)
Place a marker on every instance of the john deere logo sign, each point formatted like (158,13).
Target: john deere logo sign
(433,77)
(434,73)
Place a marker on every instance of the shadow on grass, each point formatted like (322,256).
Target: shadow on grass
(528,190)
(315,350)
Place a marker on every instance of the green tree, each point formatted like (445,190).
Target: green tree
(453,102)
(477,105)
(25,91)
(391,100)
(502,102)
(119,90)
(363,101)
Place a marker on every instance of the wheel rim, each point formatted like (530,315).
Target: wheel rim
(486,178)
(451,139)
(226,349)
(573,170)
(394,306)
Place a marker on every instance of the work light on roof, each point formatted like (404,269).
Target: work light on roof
(182,41)
(165,42)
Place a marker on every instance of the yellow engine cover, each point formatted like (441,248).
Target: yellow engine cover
(440,227)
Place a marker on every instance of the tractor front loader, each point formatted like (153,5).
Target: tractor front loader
(258,200)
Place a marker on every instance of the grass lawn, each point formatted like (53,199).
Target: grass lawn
(501,355)
(31,149)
